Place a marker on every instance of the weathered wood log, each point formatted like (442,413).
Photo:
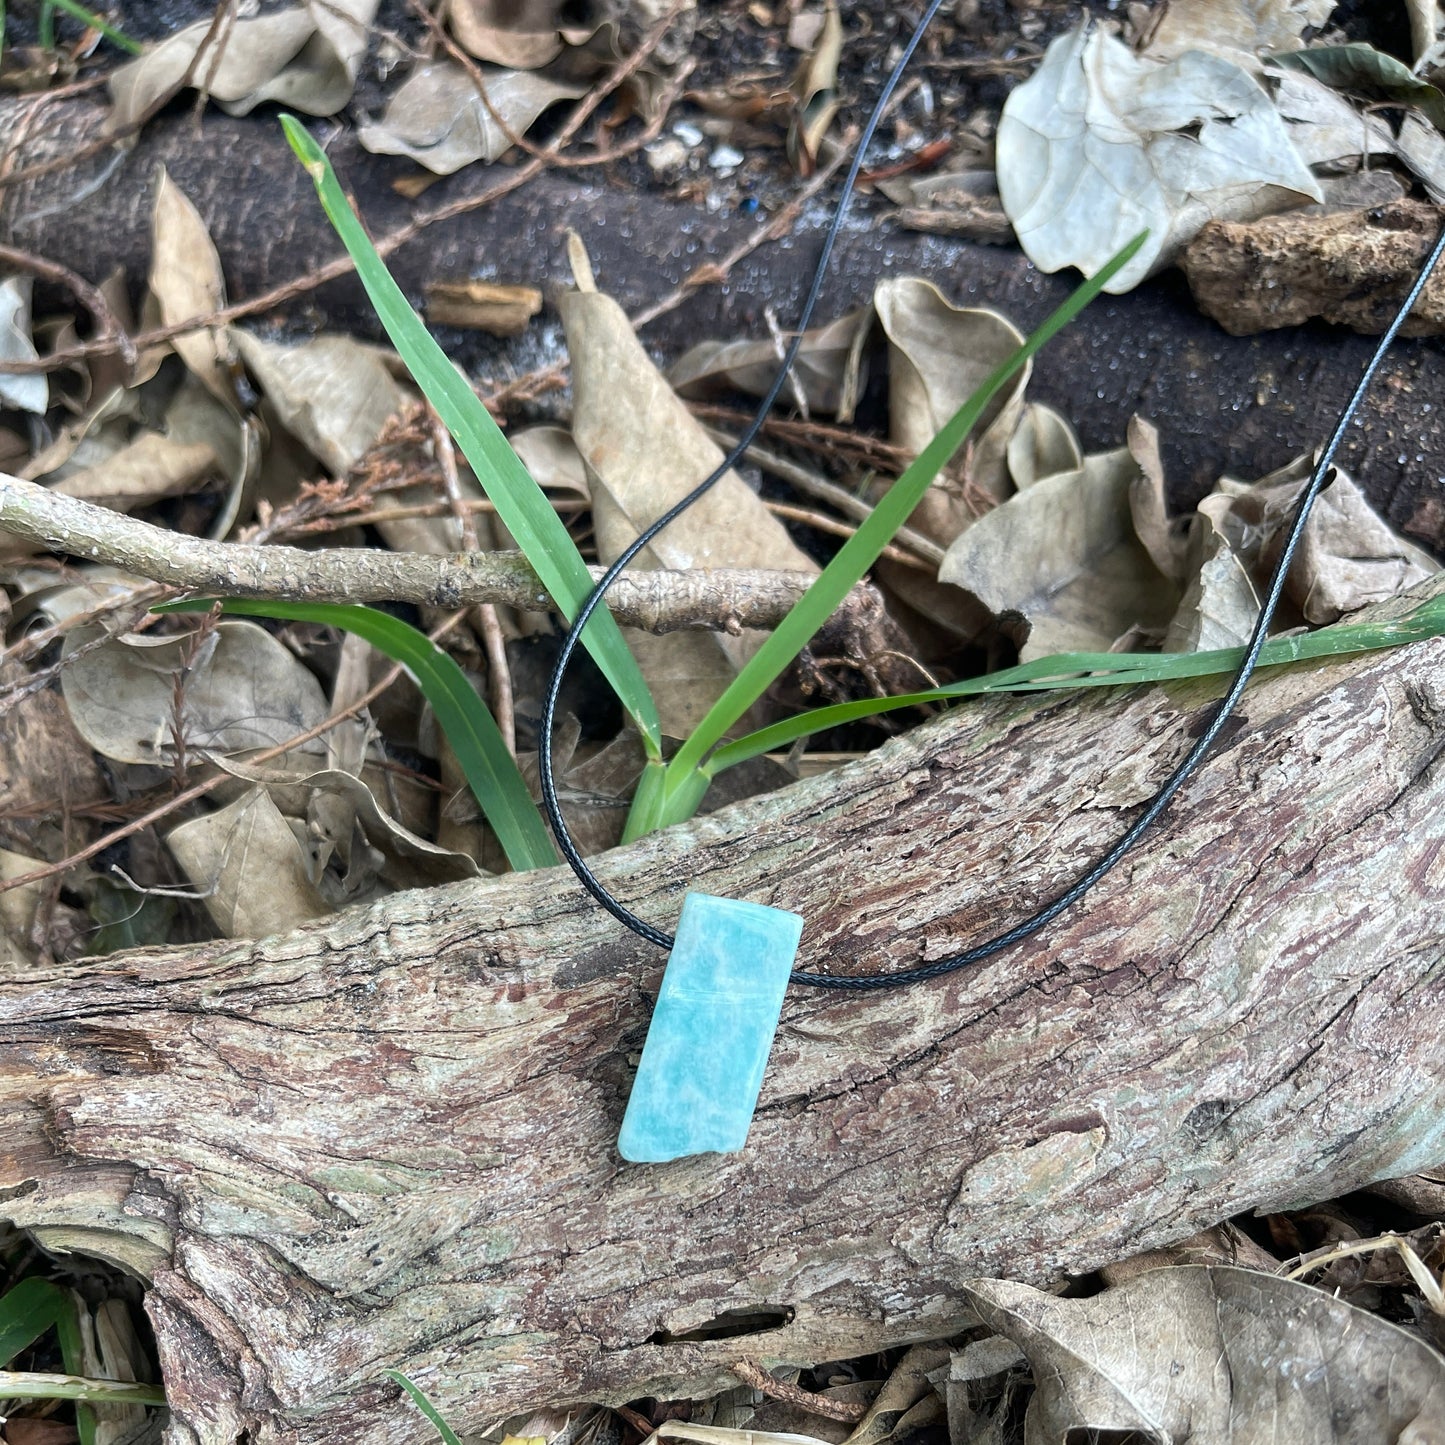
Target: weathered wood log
(387,1140)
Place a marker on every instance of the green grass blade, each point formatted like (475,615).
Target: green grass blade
(463,717)
(72,1355)
(96,22)
(21,1385)
(1099,669)
(861,550)
(520,502)
(419,1399)
(27,1311)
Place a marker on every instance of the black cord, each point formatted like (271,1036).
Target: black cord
(550,800)
(1044,916)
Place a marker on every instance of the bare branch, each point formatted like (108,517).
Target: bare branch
(725,600)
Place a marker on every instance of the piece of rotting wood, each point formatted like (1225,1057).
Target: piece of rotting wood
(387,1140)
(1348,267)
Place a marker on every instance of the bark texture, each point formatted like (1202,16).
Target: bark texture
(1352,268)
(387,1140)
(1241,405)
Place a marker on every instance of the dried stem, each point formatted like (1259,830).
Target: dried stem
(110,334)
(752,1373)
(727,599)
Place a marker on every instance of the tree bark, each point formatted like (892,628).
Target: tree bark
(387,1140)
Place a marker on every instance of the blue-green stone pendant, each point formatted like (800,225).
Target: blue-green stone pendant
(711,1032)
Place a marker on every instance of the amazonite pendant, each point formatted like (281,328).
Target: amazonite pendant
(711,1032)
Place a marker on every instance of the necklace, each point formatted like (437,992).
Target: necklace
(731,961)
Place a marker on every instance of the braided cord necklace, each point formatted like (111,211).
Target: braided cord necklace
(731,961)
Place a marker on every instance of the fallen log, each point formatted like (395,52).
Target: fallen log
(386,1140)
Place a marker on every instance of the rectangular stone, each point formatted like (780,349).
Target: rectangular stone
(711,1032)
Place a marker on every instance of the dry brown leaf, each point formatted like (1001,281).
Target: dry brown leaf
(1323,126)
(1060,566)
(1422,1193)
(186,282)
(45,767)
(1225,1244)
(552,458)
(1220,605)
(1100,144)
(357,850)
(1043,444)
(332,394)
(829,368)
(979,1387)
(1237,27)
(1217,1356)
(1165,538)
(88,440)
(147,469)
(482,306)
(1424,25)
(25,393)
(644,451)
(595,783)
(438,119)
(201,438)
(939,354)
(305,57)
(1422,148)
(242,690)
(254,873)
(815,90)
(904,1391)
(14,450)
(39,1430)
(17,909)
(1348,556)
(519,36)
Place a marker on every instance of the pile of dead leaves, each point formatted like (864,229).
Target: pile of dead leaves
(168,755)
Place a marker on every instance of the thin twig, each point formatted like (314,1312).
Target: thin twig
(32,644)
(479,506)
(727,599)
(752,1373)
(821,522)
(925,551)
(110,334)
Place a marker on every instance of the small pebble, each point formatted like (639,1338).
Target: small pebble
(688,134)
(725,158)
(668,154)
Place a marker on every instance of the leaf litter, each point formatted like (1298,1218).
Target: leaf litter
(1044,546)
